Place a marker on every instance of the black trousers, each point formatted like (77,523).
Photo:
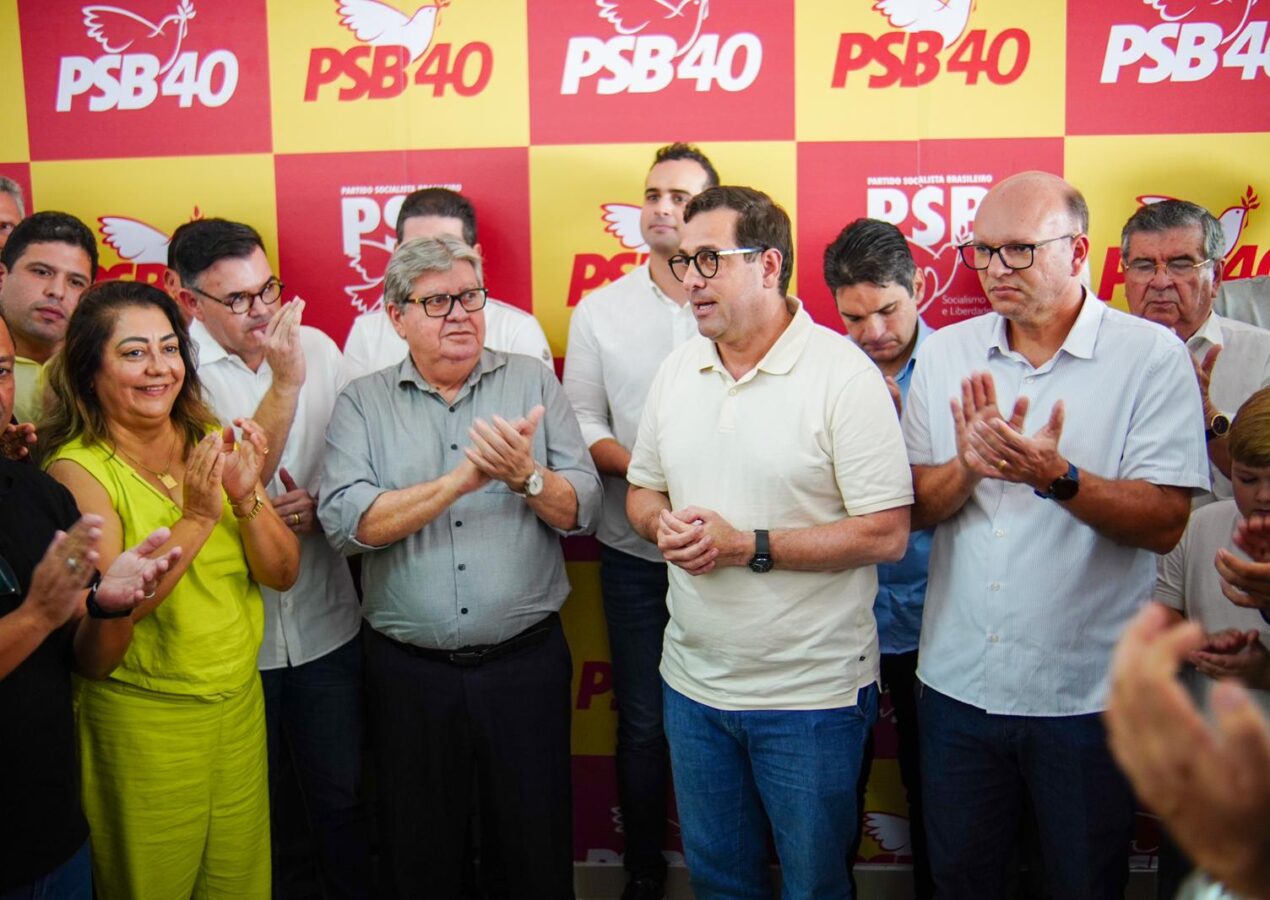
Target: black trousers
(433,725)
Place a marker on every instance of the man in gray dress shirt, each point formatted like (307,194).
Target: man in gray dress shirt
(454,474)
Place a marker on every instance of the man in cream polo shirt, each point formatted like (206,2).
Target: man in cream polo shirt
(769,470)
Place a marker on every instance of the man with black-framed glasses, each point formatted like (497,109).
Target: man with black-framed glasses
(1171,252)
(257,361)
(769,472)
(1067,462)
(453,475)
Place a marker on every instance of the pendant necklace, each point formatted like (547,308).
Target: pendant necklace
(165,477)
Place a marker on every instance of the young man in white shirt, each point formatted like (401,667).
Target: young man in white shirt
(428,213)
(618,336)
(256,360)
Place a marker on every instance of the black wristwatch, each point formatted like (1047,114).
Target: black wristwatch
(1218,425)
(761,561)
(1064,487)
(95,611)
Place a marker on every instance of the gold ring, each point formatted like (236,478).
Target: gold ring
(1002,464)
(72,564)
(295,518)
(150,596)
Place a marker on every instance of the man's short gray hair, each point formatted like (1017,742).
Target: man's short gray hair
(1168,214)
(14,190)
(420,256)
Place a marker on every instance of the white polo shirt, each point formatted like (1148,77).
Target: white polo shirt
(1187,580)
(807,437)
(320,613)
(372,344)
(1242,369)
(618,337)
(1024,601)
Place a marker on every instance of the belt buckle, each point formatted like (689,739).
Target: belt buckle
(467,659)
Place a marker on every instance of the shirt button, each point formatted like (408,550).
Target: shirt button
(1000,532)
(463,610)
(1030,379)
(462,567)
(451,409)
(732,393)
(995,586)
(454,446)
(993,639)
(458,524)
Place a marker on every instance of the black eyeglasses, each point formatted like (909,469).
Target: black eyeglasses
(241,302)
(1013,256)
(706,261)
(438,306)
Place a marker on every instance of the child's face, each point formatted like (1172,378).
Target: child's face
(1252,488)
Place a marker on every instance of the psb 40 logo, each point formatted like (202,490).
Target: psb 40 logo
(396,50)
(593,270)
(1189,40)
(922,30)
(936,213)
(1239,260)
(144,62)
(656,43)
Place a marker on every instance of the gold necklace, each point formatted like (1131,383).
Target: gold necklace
(165,477)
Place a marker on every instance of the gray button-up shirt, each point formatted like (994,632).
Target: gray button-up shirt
(487,567)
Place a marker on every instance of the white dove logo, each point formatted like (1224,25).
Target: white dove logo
(891,832)
(1231,15)
(369,264)
(118,29)
(947,18)
(1233,219)
(134,240)
(664,16)
(380,25)
(622,221)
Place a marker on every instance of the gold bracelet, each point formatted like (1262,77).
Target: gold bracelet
(255,510)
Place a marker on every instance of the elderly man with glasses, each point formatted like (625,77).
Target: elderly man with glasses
(769,471)
(1068,461)
(1172,257)
(453,474)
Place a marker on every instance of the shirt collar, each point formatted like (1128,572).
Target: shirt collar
(1209,333)
(1081,337)
(780,357)
(489,361)
(209,350)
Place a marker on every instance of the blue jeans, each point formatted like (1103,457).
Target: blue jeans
(634,592)
(799,767)
(977,770)
(313,714)
(72,880)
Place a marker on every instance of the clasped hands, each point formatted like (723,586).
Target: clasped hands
(990,446)
(501,450)
(698,540)
(217,462)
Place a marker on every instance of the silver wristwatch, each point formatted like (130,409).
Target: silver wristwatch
(533,485)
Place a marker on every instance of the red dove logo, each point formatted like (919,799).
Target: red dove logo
(1233,219)
(118,29)
(369,264)
(1230,15)
(381,25)
(681,19)
(947,18)
(622,221)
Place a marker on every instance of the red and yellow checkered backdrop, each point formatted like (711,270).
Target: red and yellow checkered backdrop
(311,119)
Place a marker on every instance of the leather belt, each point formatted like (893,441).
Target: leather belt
(479,654)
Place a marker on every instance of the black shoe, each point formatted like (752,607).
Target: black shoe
(645,888)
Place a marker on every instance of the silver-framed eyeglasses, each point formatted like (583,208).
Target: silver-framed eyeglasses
(706,261)
(242,301)
(438,306)
(1178,267)
(1013,256)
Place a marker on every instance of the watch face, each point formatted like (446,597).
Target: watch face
(1064,488)
(533,484)
(1220,425)
(761,564)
